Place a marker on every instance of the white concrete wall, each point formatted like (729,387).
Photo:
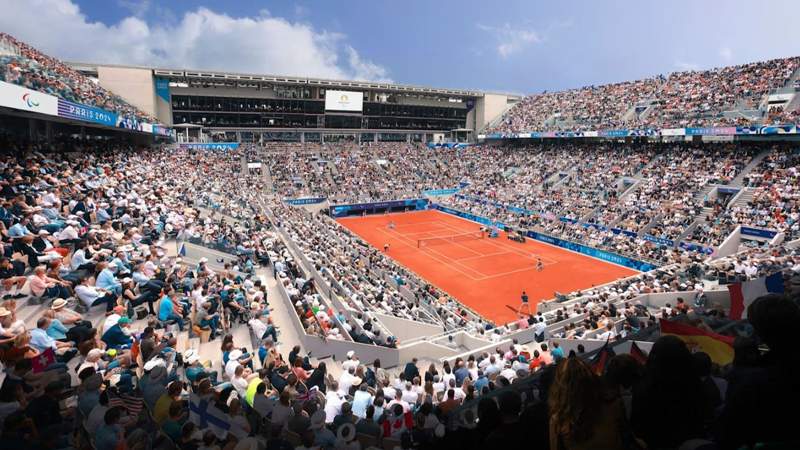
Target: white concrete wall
(488,108)
(405,330)
(731,244)
(136,86)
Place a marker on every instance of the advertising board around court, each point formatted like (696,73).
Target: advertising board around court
(417,204)
(210,146)
(469,216)
(593,252)
(575,247)
(303,200)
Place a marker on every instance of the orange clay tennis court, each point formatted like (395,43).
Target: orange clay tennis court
(484,274)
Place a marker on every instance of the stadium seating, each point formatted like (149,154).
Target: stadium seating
(681,99)
(194,255)
(24,65)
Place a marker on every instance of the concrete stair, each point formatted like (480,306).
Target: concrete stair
(646,229)
(744,198)
(750,167)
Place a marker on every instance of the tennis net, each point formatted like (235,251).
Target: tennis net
(461,237)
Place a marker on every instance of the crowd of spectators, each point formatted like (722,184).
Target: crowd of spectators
(363,273)
(658,190)
(696,98)
(89,229)
(24,65)
(352,173)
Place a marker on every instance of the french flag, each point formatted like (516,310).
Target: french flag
(743,294)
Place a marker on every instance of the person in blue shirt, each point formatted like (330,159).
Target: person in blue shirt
(106,279)
(119,336)
(19,229)
(40,341)
(557,353)
(56,330)
(461,373)
(109,435)
(170,310)
(481,382)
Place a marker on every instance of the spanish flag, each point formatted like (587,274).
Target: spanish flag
(717,346)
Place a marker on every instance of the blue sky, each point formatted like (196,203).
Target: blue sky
(513,46)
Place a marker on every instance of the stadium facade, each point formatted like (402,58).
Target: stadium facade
(254,108)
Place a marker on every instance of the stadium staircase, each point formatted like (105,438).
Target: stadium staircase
(267,174)
(794,104)
(704,213)
(737,182)
(558,179)
(496,121)
(630,114)
(646,229)
(620,184)
(745,197)
(690,229)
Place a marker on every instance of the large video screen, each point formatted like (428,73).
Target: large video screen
(344,101)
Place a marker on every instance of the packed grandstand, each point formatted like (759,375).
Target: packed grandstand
(162,294)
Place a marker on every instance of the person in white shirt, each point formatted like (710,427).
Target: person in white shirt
(79,258)
(333,402)
(448,375)
(609,334)
(352,361)
(233,363)
(459,393)
(239,382)
(492,368)
(69,233)
(92,295)
(508,373)
(409,395)
(539,329)
(112,319)
(347,380)
(398,400)
(388,391)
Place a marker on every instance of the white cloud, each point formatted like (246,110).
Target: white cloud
(300,11)
(200,39)
(510,39)
(684,66)
(726,53)
(137,7)
(366,70)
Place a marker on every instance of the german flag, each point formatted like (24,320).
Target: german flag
(638,354)
(601,359)
(717,346)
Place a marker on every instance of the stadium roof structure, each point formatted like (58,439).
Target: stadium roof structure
(290,80)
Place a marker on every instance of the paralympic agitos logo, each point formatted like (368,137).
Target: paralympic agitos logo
(29,100)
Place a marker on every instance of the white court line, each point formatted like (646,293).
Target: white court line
(419,232)
(511,249)
(482,256)
(432,222)
(497,275)
(443,259)
(462,246)
(451,260)
(483,275)
(561,249)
